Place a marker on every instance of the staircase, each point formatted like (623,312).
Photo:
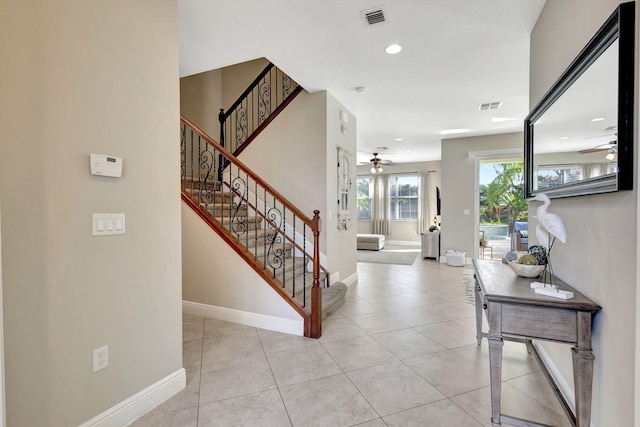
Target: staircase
(277,240)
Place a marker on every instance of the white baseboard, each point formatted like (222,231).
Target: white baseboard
(335,277)
(264,321)
(402,242)
(129,410)
(352,279)
(565,388)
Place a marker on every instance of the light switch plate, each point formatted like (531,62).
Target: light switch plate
(107,224)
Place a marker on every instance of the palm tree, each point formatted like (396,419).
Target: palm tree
(505,194)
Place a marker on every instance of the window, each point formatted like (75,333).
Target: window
(553,175)
(364,189)
(403,196)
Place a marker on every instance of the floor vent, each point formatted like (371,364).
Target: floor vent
(374,16)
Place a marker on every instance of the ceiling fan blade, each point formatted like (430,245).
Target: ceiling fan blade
(591,150)
(385,162)
(602,147)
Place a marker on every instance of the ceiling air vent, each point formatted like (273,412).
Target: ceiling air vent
(490,106)
(374,16)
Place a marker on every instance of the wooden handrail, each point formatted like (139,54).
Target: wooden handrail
(311,223)
(249,172)
(313,319)
(226,236)
(293,242)
(248,90)
(267,121)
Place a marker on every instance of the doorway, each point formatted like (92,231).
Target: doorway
(502,208)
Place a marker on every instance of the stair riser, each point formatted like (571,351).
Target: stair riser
(239,227)
(251,241)
(272,252)
(209,196)
(196,185)
(225,210)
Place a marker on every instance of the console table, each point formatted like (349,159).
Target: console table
(516,312)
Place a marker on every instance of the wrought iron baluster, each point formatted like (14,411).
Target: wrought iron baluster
(264,211)
(293,253)
(304,259)
(282,249)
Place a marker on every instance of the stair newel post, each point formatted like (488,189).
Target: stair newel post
(221,120)
(316,295)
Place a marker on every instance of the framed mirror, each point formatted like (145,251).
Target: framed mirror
(579,137)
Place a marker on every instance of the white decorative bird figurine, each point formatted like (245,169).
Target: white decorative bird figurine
(543,237)
(550,222)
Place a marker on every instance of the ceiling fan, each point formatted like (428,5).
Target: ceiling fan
(376,163)
(602,147)
(611,148)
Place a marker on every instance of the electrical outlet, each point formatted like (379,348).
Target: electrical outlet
(100,358)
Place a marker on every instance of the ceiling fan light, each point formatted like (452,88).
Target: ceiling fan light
(373,169)
(610,155)
(380,169)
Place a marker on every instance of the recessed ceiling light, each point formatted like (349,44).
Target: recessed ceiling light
(502,119)
(392,49)
(597,119)
(398,139)
(452,131)
(564,138)
(407,151)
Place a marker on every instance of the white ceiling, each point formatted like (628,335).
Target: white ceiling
(456,55)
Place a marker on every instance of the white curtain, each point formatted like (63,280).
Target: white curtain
(585,170)
(591,170)
(424,212)
(380,223)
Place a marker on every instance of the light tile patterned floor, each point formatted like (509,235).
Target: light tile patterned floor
(400,352)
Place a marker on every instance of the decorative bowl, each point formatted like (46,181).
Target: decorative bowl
(523,270)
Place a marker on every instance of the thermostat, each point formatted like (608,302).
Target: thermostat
(104,165)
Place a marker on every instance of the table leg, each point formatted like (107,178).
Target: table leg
(582,381)
(479,306)
(495,368)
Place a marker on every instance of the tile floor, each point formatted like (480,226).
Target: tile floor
(400,352)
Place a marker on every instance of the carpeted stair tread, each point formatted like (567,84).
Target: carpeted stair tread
(208,195)
(218,209)
(195,183)
(252,238)
(333,298)
(277,250)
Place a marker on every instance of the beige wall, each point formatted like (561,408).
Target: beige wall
(406,231)
(600,258)
(237,79)
(203,95)
(290,153)
(82,78)
(296,154)
(341,244)
(459,189)
(215,275)
(201,101)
